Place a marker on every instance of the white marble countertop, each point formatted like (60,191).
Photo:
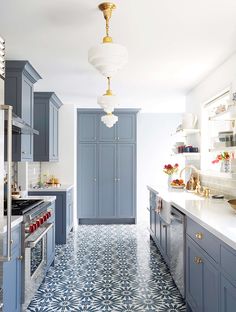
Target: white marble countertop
(62,188)
(215,215)
(50,199)
(15,220)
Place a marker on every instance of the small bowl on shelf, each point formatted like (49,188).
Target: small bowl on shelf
(232,203)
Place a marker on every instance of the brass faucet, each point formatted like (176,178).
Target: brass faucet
(201,191)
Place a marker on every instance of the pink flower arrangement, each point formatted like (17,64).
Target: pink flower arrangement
(169,169)
(222,156)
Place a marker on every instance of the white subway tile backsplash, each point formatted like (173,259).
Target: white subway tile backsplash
(34,173)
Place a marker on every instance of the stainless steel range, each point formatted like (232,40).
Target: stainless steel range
(34,243)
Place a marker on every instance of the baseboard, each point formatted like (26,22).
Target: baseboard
(107,221)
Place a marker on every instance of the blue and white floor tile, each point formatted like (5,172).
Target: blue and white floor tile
(112,268)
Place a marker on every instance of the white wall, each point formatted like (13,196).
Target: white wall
(153,151)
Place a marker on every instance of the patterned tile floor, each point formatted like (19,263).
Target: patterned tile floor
(108,268)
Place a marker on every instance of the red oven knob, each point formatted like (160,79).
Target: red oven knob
(41,220)
(37,223)
(45,218)
(31,228)
(48,214)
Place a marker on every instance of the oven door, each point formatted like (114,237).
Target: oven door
(35,261)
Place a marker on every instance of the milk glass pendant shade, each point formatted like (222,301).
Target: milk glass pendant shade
(107,57)
(108,101)
(109,120)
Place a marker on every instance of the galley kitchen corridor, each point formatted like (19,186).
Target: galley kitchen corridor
(108,268)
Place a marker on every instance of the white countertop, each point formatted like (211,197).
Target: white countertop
(15,220)
(49,199)
(215,215)
(62,188)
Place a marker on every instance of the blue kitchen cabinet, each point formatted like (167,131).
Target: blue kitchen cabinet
(46,121)
(87,180)
(227,295)
(125,184)
(63,213)
(51,239)
(202,279)
(106,168)
(126,127)
(19,87)
(87,127)
(107,181)
(12,275)
(152,207)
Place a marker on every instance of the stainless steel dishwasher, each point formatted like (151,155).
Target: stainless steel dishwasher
(177,248)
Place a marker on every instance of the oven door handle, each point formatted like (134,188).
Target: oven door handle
(32,244)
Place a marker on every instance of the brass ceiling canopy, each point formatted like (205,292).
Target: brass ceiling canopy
(107,8)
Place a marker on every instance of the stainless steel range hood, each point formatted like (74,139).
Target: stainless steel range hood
(19,126)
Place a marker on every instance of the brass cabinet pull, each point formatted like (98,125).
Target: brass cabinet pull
(199,235)
(198,260)
(20,258)
(12,241)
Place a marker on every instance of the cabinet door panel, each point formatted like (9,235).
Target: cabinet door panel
(158,228)
(106,184)
(228,295)
(163,241)
(106,134)
(50,245)
(126,127)
(210,287)
(55,134)
(27,115)
(87,127)
(12,284)
(194,278)
(87,187)
(125,180)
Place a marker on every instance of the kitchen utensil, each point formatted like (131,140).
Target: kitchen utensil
(232,203)
(189,121)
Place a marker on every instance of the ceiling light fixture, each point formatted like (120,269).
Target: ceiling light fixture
(109,120)
(108,101)
(107,57)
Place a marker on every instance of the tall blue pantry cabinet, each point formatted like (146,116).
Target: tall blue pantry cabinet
(106,168)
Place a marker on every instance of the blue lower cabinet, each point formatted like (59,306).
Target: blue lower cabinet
(12,278)
(227,295)
(63,212)
(202,280)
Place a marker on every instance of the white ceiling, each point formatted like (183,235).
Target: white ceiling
(172,45)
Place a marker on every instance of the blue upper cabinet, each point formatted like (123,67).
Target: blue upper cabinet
(126,127)
(87,127)
(106,134)
(46,121)
(19,88)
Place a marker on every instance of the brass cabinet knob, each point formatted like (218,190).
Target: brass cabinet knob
(20,258)
(12,241)
(198,260)
(199,235)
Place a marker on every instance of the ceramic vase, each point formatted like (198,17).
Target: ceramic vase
(225,166)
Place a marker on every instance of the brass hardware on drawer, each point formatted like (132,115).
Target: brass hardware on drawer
(198,260)
(199,235)
(20,258)
(12,241)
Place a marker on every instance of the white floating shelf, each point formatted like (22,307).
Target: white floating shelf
(228,115)
(187,155)
(223,149)
(185,132)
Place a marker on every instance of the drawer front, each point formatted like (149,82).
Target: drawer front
(204,239)
(228,262)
